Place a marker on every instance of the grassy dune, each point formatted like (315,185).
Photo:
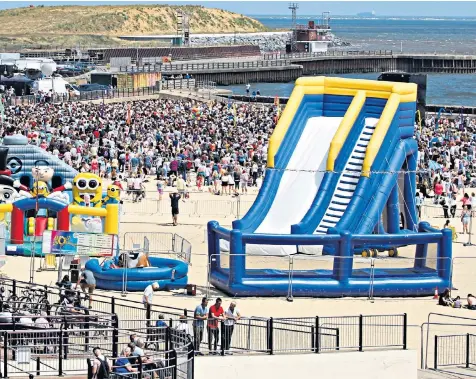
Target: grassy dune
(43,25)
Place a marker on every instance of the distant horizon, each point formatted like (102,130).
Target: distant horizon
(415,9)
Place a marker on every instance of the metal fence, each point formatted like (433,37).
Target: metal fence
(158,243)
(455,350)
(116,93)
(235,208)
(292,335)
(329,53)
(64,351)
(194,67)
(179,84)
(125,309)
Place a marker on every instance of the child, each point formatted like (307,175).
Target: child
(160,187)
(457,302)
(95,166)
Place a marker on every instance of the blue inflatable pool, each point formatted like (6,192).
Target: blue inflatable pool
(169,273)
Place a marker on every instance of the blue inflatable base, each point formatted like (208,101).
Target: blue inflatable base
(321,283)
(169,273)
(165,284)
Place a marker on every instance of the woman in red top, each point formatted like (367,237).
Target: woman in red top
(438,190)
(466,201)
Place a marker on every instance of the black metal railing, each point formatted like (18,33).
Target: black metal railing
(455,350)
(329,53)
(194,67)
(111,321)
(116,93)
(67,350)
(103,304)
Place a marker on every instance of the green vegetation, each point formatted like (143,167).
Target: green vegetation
(45,25)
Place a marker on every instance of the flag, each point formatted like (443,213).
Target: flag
(128,120)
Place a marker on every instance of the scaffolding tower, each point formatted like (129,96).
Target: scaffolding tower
(294,7)
(183,27)
(325,21)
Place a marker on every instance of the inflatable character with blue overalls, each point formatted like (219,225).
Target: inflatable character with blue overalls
(113,195)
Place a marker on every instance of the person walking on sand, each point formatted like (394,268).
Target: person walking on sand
(465,217)
(160,187)
(174,202)
(149,293)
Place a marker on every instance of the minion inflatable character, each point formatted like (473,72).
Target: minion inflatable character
(40,189)
(113,195)
(87,185)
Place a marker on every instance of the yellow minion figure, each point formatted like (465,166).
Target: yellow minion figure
(40,189)
(113,195)
(87,186)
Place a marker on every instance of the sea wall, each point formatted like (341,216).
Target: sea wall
(272,41)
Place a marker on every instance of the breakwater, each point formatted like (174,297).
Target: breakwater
(283,68)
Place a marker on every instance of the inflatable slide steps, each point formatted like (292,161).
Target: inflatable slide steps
(348,180)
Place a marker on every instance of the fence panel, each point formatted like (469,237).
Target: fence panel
(383,331)
(213,208)
(249,334)
(145,206)
(186,208)
(294,335)
(32,351)
(451,350)
(349,331)
(157,242)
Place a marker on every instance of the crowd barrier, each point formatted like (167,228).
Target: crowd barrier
(159,243)
(226,207)
(115,93)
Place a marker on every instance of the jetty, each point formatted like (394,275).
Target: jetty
(288,67)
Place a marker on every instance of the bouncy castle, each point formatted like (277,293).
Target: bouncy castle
(340,182)
(39,192)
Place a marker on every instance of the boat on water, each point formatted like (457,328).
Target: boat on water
(366,14)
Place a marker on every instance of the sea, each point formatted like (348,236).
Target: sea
(400,34)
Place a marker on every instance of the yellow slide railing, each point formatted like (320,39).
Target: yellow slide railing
(317,88)
(344,128)
(340,87)
(380,132)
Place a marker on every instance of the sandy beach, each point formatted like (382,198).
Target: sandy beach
(153,216)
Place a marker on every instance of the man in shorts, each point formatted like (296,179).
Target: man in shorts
(174,202)
(87,281)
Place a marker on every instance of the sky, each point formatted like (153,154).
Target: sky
(382,8)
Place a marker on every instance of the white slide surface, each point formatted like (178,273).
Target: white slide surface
(348,180)
(299,183)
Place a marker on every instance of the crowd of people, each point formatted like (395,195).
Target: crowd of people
(223,144)
(135,356)
(447,166)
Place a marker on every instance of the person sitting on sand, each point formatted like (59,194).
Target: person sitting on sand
(471,302)
(457,302)
(445,299)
